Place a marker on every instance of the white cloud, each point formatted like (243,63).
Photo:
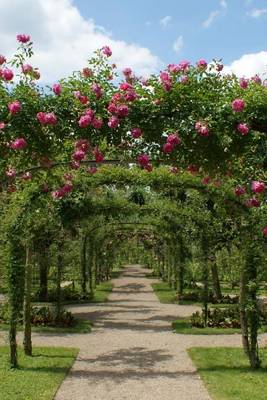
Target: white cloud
(64,39)
(249,65)
(178,44)
(165,21)
(223,3)
(257,12)
(213,15)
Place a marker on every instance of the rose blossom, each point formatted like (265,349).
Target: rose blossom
(206,180)
(2,125)
(167,148)
(127,72)
(7,74)
(78,155)
(264,231)
(14,107)
(113,122)
(18,144)
(125,86)
(82,144)
(26,68)
(238,105)
(2,59)
(202,64)
(57,89)
(123,110)
(87,72)
(11,172)
(97,90)
(203,131)
(107,51)
(99,157)
(84,121)
(243,129)
(174,170)
(112,108)
(97,123)
(174,139)
(148,167)
(143,160)
(258,186)
(92,170)
(243,83)
(219,67)
(240,190)
(253,202)
(136,133)
(22,38)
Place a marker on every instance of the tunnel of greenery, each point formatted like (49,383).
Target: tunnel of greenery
(167,172)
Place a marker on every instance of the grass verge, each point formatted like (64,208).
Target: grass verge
(227,376)
(37,377)
(183,326)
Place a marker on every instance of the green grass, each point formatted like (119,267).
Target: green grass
(38,377)
(183,326)
(102,292)
(227,376)
(167,295)
(81,326)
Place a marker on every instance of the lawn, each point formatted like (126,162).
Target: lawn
(167,295)
(38,377)
(102,292)
(227,376)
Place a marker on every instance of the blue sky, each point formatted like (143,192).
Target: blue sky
(143,34)
(232,33)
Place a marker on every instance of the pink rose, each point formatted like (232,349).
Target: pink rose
(82,144)
(97,90)
(243,83)
(75,164)
(143,160)
(99,157)
(136,133)
(168,148)
(113,122)
(238,105)
(219,67)
(148,167)
(87,72)
(253,203)
(92,170)
(184,65)
(174,139)
(11,172)
(14,107)
(264,231)
(240,190)
(18,144)
(97,123)
(202,64)
(256,79)
(112,108)
(130,95)
(184,79)
(107,51)
(125,86)
(84,121)
(123,110)
(67,188)
(203,131)
(7,74)
(57,194)
(2,125)
(26,69)
(206,180)
(243,129)
(22,38)
(258,186)
(46,118)
(127,72)
(2,59)
(78,155)
(57,89)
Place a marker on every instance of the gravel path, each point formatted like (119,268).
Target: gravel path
(132,353)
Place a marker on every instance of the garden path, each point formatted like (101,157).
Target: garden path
(132,353)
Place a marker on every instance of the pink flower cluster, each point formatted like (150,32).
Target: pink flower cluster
(57,89)
(243,128)
(6,74)
(238,105)
(89,118)
(2,59)
(82,147)
(240,190)
(136,133)
(22,38)
(96,88)
(172,141)
(166,80)
(18,144)
(82,98)
(46,118)
(99,157)
(253,202)
(106,50)
(258,186)
(183,66)
(202,129)
(87,72)
(14,107)
(26,69)
(63,191)
(202,64)
(143,160)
